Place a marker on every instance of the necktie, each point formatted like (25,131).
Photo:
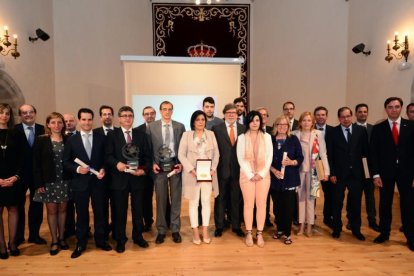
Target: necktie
(167,139)
(87,144)
(107,130)
(321,128)
(395,132)
(129,138)
(232,136)
(31,137)
(348,135)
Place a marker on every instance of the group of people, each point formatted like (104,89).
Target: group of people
(239,159)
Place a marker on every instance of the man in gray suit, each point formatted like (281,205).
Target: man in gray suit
(165,136)
(228,171)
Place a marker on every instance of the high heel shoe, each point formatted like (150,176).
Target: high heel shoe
(197,242)
(14,252)
(260,240)
(63,245)
(4,255)
(54,252)
(249,238)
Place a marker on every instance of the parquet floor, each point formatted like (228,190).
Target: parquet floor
(228,255)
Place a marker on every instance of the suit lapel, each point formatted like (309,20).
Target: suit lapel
(120,136)
(225,133)
(79,143)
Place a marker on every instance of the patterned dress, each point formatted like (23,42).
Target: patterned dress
(58,191)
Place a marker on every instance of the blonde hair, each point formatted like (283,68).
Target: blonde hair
(277,121)
(302,116)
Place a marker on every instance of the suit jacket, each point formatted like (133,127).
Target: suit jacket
(155,133)
(101,131)
(44,166)
(295,124)
(188,155)
(228,165)
(27,173)
(269,130)
(345,160)
(384,153)
(316,134)
(113,155)
(74,148)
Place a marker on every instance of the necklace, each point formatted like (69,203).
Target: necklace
(4,144)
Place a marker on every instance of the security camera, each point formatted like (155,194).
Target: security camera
(360,49)
(39,34)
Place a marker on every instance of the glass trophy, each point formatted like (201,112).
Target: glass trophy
(166,161)
(130,152)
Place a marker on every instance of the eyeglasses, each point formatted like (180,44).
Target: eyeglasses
(127,116)
(231,112)
(31,112)
(264,115)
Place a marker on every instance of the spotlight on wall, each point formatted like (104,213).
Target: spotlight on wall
(360,49)
(39,34)
(404,53)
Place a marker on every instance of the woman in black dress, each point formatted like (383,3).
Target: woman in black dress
(50,179)
(11,158)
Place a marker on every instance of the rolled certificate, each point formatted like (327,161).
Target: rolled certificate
(365,165)
(282,169)
(83,165)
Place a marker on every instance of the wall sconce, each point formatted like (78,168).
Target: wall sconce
(405,52)
(360,49)
(39,34)
(5,41)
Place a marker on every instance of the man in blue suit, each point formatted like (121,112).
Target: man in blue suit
(88,147)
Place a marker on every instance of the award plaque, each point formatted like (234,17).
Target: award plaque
(166,161)
(203,170)
(130,152)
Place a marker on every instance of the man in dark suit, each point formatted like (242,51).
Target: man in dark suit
(165,136)
(347,145)
(392,159)
(321,115)
(31,130)
(240,104)
(289,111)
(126,179)
(87,182)
(268,129)
(410,111)
(106,114)
(361,115)
(228,171)
(149,113)
(70,124)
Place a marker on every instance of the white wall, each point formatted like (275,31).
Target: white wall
(371,79)
(33,71)
(299,53)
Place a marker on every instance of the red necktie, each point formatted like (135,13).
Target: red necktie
(395,132)
(129,138)
(232,136)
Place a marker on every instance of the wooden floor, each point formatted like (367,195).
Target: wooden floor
(228,255)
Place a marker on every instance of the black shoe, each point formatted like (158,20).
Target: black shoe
(268,223)
(218,232)
(374,226)
(54,252)
(411,246)
(4,255)
(336,234)
(77,252)
(401,229)
(63,245)
(14,252)
(295,222)
(160,238)
(328,222)
(104,246)
(381,238)
(141,242)
(37,240)
(239,232)
(359,236)
(176,237)
(348,226)
(120,247)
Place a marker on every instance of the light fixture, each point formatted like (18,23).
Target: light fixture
(360,49)
(5,41)
(405,52)
(39,34)
(208,2)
